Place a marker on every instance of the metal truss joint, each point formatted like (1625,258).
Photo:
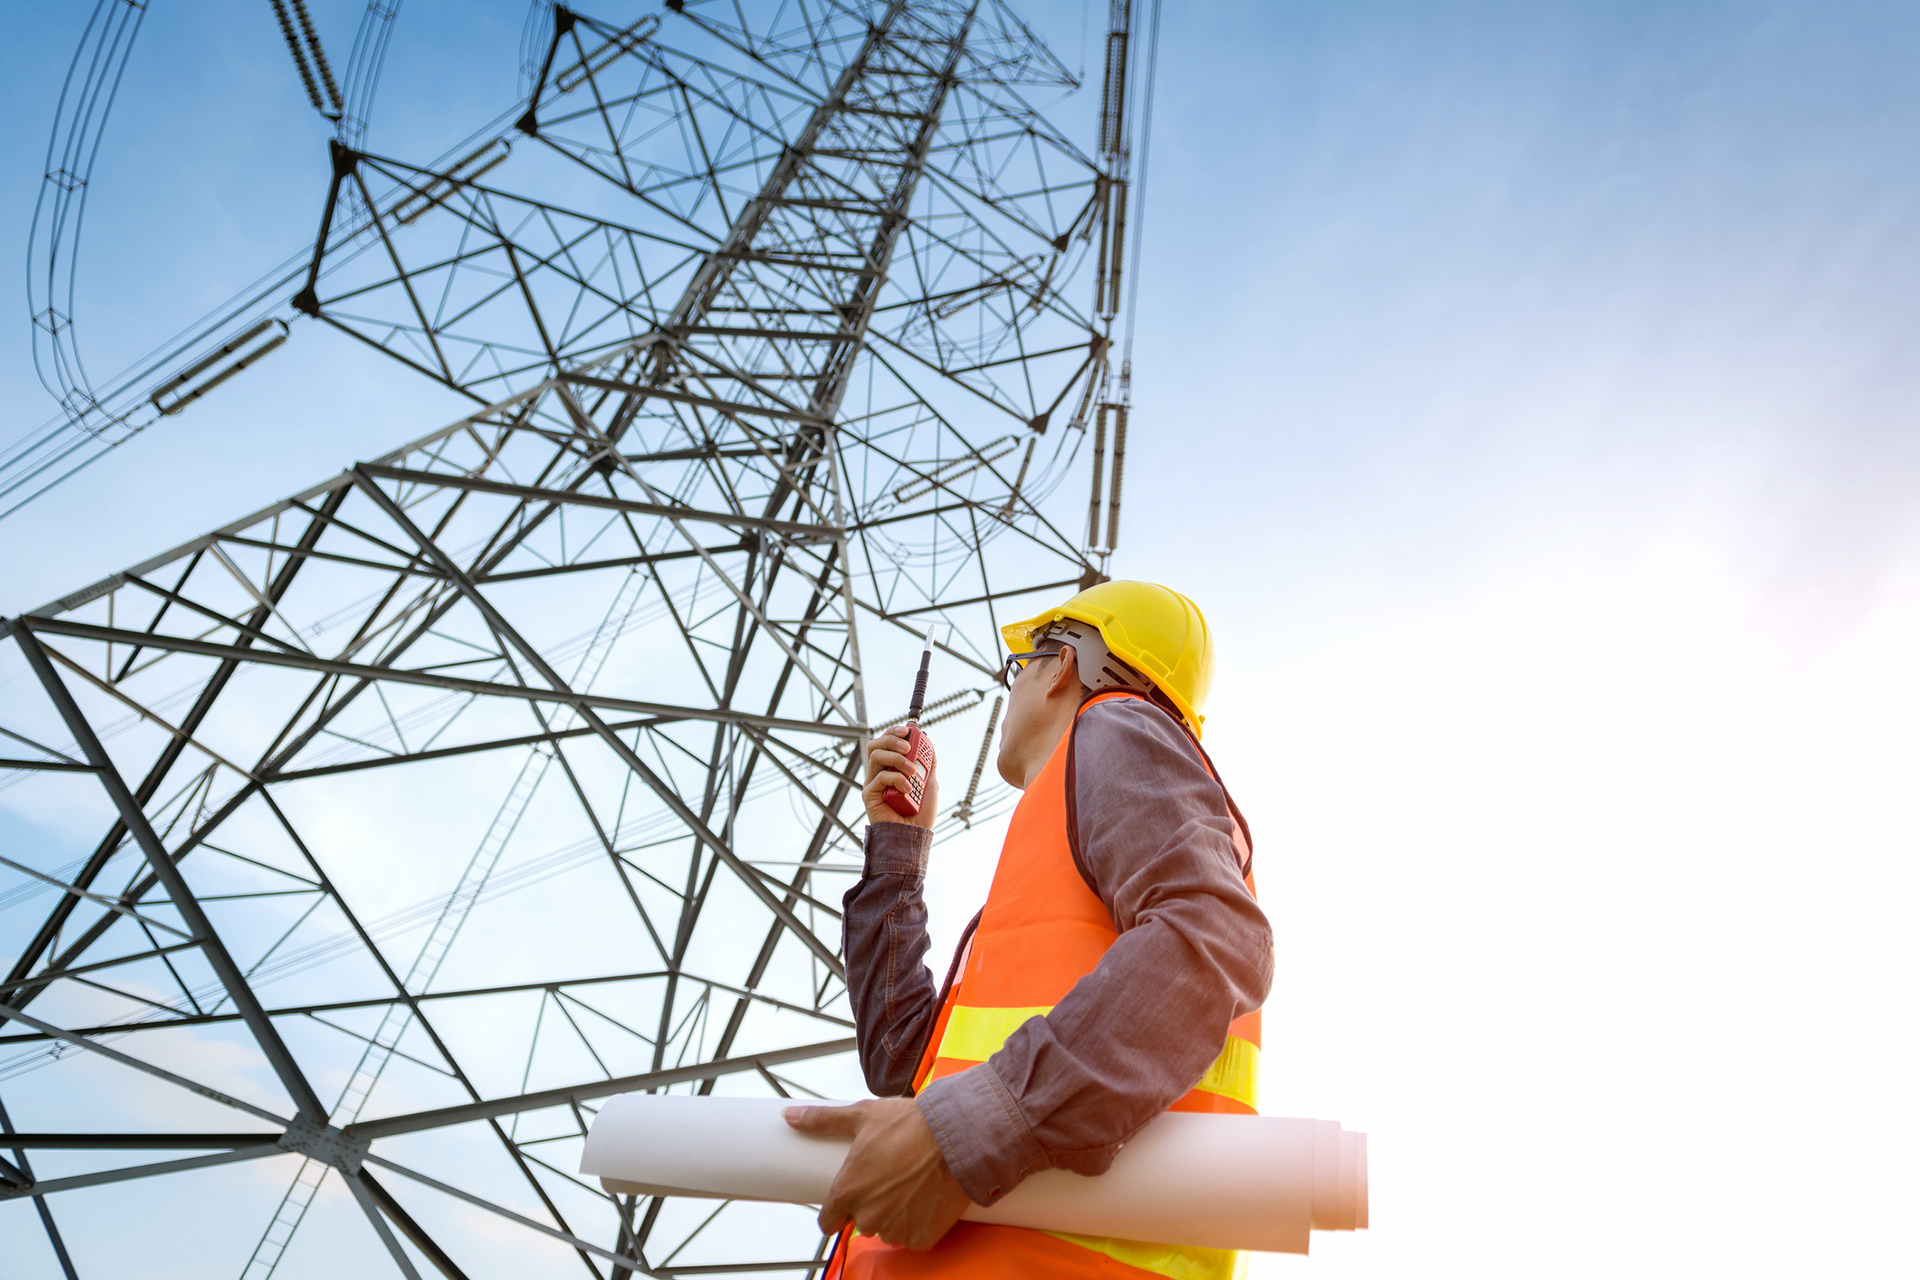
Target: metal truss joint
(325,1143)
(14,1181)
(344,157)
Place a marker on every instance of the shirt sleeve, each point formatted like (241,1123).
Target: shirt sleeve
(884,923)
(1195,952)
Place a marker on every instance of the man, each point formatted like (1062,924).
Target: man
(1114,973)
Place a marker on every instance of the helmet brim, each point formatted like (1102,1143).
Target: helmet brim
(1019,639)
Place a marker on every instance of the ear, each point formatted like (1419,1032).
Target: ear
(1066,674)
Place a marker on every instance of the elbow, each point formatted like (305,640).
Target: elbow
(1248,964)
(1241,949)
(1262,985)
(887,1076)
(1230,942)
(881,1083)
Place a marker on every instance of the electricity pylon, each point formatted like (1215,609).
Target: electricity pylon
(783,337)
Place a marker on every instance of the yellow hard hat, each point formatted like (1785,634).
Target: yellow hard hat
(1153,629)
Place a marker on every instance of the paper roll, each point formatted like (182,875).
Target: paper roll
(1207,1181)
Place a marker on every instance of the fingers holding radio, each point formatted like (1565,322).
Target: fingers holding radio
(887,766)
(888,742)
(890,766)
(887,753)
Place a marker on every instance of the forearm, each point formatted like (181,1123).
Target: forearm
(888,983)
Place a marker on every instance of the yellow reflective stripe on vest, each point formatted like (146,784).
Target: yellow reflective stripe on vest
(1235,1073)
(1176,1262)
(975,1034)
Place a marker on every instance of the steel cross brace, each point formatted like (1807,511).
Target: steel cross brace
(508,635)
(588,428)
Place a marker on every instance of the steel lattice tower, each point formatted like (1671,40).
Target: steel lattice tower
(783,336)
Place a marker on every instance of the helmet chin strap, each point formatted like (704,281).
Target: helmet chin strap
(1099,669)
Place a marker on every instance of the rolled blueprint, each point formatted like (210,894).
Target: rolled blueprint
(1205,1181)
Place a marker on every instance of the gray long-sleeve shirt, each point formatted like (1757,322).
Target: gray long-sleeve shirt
(1131,1037)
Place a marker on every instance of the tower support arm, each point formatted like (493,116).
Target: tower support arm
(402,675)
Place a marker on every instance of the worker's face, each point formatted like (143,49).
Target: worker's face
(1048,685)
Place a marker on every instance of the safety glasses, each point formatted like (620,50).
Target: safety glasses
(1016,662)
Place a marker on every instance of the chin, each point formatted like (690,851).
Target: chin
(1001,765)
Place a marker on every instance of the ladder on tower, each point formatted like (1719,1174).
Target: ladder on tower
(426,965)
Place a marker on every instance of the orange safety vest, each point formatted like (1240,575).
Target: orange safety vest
(1041,930)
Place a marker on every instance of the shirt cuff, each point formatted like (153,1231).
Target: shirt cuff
(897,849)
(985,1139)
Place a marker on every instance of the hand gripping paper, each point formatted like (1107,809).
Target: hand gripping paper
(1207,1181)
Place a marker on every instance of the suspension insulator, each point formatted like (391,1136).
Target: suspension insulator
(241,343)
(1079,419)
(579,73)
(1013,498)
(1103,191)
(952,469)
(440,187)
(1119,462)
(299,55)
(953,704)
(1113,97)
(964,810)
(319,54)
(1099,463)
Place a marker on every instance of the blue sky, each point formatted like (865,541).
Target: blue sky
(1526,391)
(1429,260)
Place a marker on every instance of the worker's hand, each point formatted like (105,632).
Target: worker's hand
(895,1182)
(887,766)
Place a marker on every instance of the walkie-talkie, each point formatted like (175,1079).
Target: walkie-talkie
(919,746)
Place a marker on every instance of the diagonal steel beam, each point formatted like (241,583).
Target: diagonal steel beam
(466,1113)
(509,1214)
(265,1034)
(137,1141)
(145,713)
(578,497)
(48,976)
(412,1230)
(370,1206)
(128,1060)
(413,1005)
(98,899)
(58,755)
(48,1186)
